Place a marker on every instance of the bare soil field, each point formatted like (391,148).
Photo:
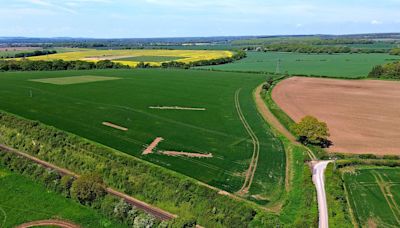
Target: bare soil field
(363,116)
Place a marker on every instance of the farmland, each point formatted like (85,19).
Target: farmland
(22,200)
(335,65)
(133,57)
(352,109)
(374,195)
(218,129)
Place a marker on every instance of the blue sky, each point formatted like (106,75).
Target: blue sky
(185,18)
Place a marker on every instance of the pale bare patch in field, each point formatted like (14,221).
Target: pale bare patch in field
(186,154)
(176,108)
(363,116)
(108,124)
(152,145)
(74,80)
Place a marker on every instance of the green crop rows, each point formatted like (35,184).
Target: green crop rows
(82,108)
(374,195)
(335,65)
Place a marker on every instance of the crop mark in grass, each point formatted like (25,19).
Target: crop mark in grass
(256,148)
(3,223)
(73,80)
(108,124)
(152,145)
(385,189)
(177,108)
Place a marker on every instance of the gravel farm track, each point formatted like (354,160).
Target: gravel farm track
(156,212)
(50,222)
(363,116)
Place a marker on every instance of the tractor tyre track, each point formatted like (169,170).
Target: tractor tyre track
(256,148)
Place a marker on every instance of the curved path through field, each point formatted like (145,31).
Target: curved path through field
(50,222)
(318,167)
(256,148)
(156,212)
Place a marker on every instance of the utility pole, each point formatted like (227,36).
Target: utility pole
(278,67)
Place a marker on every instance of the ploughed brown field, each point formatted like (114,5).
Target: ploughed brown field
(363,116)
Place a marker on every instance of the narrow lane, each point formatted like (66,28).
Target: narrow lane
(319,181)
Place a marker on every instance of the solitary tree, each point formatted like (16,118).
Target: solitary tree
(311,131)
(87,188)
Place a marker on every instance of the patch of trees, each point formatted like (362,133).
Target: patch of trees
(395,51)
(194,203)
(29,65)
(34,53)
(387,71)
(311,131)
(88,190)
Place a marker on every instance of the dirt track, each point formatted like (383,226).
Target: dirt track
(52,222)
(156,212)
(363,116)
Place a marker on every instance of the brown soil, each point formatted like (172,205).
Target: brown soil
(50,222)
(108,124)
(152,145)
(186,154)
(363,116)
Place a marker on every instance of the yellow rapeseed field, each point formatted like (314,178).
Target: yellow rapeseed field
(185,56)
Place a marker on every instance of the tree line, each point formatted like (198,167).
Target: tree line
(31,54)
(54,65)
(317,49)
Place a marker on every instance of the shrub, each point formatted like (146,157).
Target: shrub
(88,188)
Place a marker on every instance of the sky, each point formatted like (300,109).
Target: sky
(195,18)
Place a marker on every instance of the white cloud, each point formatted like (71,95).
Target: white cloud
(376,22)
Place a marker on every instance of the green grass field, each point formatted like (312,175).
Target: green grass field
(82,108)
(374,195)
(337,65)
(22,200)
(151,58)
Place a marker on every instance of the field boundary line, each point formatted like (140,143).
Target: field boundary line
(256,147)
(155,211)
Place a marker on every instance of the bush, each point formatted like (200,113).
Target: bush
(88,188)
